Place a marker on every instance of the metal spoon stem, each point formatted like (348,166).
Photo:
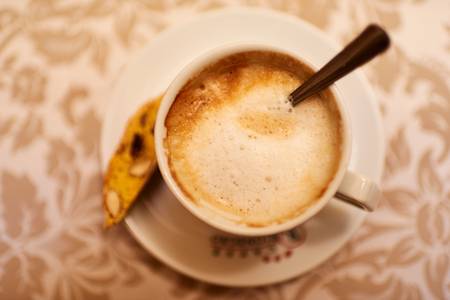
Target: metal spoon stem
(371,42)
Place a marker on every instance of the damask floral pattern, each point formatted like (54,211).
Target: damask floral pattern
(58,60)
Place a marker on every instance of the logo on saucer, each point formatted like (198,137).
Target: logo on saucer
(272,248)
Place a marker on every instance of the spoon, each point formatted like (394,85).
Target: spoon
(368,44)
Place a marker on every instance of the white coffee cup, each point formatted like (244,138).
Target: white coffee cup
(347,186)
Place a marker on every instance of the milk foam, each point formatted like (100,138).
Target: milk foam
(248,152)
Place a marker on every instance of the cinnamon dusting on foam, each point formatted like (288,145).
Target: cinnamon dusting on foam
(235,145)
(267,124)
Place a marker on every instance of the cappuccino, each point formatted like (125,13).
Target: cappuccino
(235,145)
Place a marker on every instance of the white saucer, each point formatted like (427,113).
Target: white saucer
(168,230)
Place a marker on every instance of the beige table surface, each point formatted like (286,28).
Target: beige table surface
(58,60)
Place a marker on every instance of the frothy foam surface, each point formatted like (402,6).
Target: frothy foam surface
(237,146)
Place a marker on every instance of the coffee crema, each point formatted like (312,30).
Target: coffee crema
(237,146)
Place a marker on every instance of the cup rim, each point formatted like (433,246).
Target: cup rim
(193,68)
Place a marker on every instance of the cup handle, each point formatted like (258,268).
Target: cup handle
(358,191)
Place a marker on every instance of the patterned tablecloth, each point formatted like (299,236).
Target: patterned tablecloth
(58,61)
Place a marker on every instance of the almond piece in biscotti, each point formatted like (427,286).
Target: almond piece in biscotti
(112,202)
(140,167)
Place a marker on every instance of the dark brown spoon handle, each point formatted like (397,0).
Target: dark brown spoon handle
(371,42)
